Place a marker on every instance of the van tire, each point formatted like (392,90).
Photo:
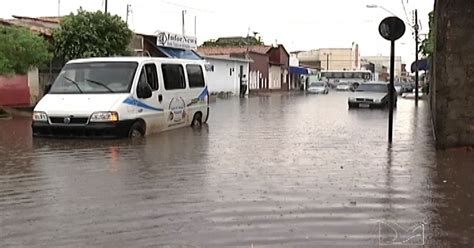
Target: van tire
(136,130)
(197,120)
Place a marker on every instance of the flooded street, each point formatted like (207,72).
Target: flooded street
(269,171)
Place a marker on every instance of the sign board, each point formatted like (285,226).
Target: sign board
(392,28)
(176,41)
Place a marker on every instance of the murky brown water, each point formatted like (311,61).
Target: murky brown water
(278,171)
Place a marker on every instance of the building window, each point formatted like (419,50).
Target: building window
(195,76)
(173,76)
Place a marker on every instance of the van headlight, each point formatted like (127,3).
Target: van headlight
(104,117)
(40,116)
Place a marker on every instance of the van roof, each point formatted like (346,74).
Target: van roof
(134,59)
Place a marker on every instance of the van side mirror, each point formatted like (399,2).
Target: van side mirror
(144,91)
(47,88)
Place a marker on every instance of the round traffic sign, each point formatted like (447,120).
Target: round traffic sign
(392,28)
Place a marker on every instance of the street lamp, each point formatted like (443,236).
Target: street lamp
(374,6)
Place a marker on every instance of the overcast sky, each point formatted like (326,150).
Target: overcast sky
(297,24)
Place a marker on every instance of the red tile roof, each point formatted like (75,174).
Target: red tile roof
(227,50)
(42,25)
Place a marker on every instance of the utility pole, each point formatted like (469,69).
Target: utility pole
(106,3)
(59,8)
(327,60)
(182,19)
(129,6)
(416,57)
(195,26)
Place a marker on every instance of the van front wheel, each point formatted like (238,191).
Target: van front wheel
(136,131)
(197,120)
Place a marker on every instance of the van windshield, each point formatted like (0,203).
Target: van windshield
(95,77)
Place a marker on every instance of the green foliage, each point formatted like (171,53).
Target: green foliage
(233,41)
(92,34)
(428,44)
(21,50)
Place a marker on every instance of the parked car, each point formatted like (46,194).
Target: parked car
(373,94)
(343,86)
(318,88)
(399,88)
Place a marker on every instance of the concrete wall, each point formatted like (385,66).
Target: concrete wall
(276,82)
(453,67)
(225,76)
(20,90)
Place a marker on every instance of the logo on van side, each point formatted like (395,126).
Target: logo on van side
(177,110)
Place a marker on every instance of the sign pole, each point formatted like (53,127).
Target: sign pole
(391,91)
(416,58)
(391,28)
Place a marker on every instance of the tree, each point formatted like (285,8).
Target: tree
(92,34)
(427,45)
(233,41)
(21,50)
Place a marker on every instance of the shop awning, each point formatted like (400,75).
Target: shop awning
(298,70)
(179,53)
(423,65)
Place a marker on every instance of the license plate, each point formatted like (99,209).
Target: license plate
(364,105)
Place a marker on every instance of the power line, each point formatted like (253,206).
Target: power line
(405,11)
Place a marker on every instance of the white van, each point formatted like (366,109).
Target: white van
(123,97)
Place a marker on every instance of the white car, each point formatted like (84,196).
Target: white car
(318,88)
(374,94)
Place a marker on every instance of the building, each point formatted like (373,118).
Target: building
(268,69)
(331,58)
(297,73)
(384,61)
(224,73)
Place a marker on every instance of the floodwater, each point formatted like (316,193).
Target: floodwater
(270,171)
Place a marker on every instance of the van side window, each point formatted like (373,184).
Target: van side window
(173,76)
(195,76)
(142,81)
(152,76)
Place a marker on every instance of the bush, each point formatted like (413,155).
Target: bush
(21,50)
(92,34)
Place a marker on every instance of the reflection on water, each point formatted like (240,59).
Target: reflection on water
(277,170)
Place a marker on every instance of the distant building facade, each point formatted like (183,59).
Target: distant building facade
(331,58)
(384,61)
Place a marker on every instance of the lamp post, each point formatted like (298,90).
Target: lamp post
(415,28)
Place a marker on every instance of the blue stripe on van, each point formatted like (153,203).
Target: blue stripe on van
(135,102)
(203,94)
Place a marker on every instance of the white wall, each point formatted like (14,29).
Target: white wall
(33,84)
(275,77)
(221,79)
(294,61)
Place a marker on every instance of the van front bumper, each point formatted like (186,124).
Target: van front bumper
(99,130)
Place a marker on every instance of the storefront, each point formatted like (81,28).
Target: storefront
(165,44)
